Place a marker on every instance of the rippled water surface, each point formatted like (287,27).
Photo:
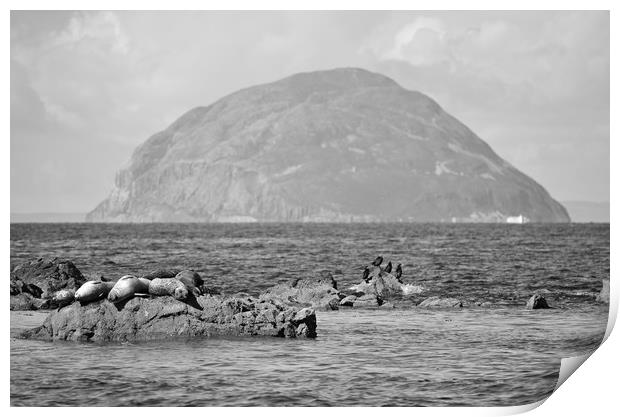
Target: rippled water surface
(501,355)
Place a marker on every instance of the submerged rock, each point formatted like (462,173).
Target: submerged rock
(319,292)
(536,301)
(441,302)
(368,300)
(164,317)
(348,301)
(603,296)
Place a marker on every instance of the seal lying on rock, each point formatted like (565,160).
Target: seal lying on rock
(92,291)
(64,298)
(126,287)
(168,286)
(192,281)
(161,273)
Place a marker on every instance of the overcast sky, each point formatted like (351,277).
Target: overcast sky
(88,87)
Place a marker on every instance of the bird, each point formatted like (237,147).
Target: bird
(365,274)
(378,261)
(399,271)
(388,268)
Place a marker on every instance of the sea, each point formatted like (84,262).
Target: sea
(491,352)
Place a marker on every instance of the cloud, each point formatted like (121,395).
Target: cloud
(103,28)
(543,75)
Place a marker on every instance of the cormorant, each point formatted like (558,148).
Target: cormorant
(388,268)
(399,272)
(378,261)
(365,274)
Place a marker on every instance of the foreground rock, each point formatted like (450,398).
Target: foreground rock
(34,284)
(536,302)
(603,296)
(164,318)
(432,302)
(319,292)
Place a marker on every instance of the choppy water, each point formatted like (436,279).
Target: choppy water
(503,355)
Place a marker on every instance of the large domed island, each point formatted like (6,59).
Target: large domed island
(342,145)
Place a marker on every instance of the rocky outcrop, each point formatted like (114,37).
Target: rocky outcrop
(314,147)
(380,283)
(537,301)
(319,292)
(437,302)
(165,318)
(603,296)
(34,284)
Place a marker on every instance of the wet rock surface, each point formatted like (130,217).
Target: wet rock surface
(437,302)
(368,300)
(164,318)
(382,284)
(319,292)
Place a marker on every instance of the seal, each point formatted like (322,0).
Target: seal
(126,287)
(192,281)
(168,286)
(64,298)
(378,261)
(93,291)
(161,273)
(388,268)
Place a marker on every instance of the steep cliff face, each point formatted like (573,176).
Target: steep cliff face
(338,145)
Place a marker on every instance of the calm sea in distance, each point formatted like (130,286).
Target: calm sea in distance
(500,355)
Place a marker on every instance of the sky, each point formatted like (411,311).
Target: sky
(88,87)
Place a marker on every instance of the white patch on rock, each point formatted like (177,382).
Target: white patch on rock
(357,150)
(410,289)
(289,170)
(488,176)
(492,165)
(441,167)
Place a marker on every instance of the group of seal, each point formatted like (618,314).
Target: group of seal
(388,269)
(157,283)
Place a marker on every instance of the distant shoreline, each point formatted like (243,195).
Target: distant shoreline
(579,211)
(300,223)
